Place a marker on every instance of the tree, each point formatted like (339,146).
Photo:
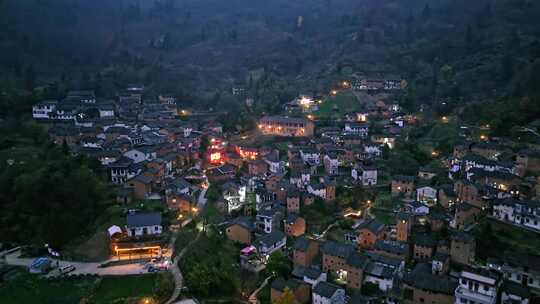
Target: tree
(164,286)
(287,297)
(278,264)
(200,279)
(213,193)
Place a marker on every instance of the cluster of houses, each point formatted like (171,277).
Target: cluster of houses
(379,83)
(427,254)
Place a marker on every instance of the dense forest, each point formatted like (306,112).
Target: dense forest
(460,51)
(48,196)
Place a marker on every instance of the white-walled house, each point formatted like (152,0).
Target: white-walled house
(380,275)
(270,243)
(44,109)
(477,287)
(519,213)
(417,208)
(141,224)
(331,164)
(366,175)
(427,195)
(311,156)
(361,129)
(106,111)
(317,189)
(274,163)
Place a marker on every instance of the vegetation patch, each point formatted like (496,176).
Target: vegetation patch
(27,288)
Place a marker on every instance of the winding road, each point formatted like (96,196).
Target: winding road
(175,270)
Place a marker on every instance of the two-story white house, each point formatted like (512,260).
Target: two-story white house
(478,286)
(427,195)
(269,220)
(361,129)
(520,213)
(317,189)
(365,174)
(310,156)
(275,165)
(44,109)
(331,164)
(270,243)
(106,111)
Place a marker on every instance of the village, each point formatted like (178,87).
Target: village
(313,189)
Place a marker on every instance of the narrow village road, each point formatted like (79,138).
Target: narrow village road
(202,200)
(175,270)
(80,267)
(253,297)
(323,234)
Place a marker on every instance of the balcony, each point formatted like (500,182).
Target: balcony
(464,293)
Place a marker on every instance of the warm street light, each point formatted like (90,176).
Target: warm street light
(333,92)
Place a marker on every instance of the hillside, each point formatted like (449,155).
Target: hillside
(456,50)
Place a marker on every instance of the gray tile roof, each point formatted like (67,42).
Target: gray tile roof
(422,278)
(325,289)
(337,249)
(143,219)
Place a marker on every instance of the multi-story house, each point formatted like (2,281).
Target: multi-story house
(331,164)
(402,184)
(286,126)
(345,263)
(270,243)
(427,195)
(44,109)
(462,248)
(310,155)
(269,218)
(478,286)
(361,129)
(365,174)
(304,251)
(523,269)
(520,213)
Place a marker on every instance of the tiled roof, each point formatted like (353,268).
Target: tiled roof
(143,219)
(325,289)
(422,278)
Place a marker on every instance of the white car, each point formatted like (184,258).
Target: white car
(67,269)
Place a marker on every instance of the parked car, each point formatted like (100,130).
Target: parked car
(67,269)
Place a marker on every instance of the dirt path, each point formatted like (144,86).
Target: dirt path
(175,270)
(253,297)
